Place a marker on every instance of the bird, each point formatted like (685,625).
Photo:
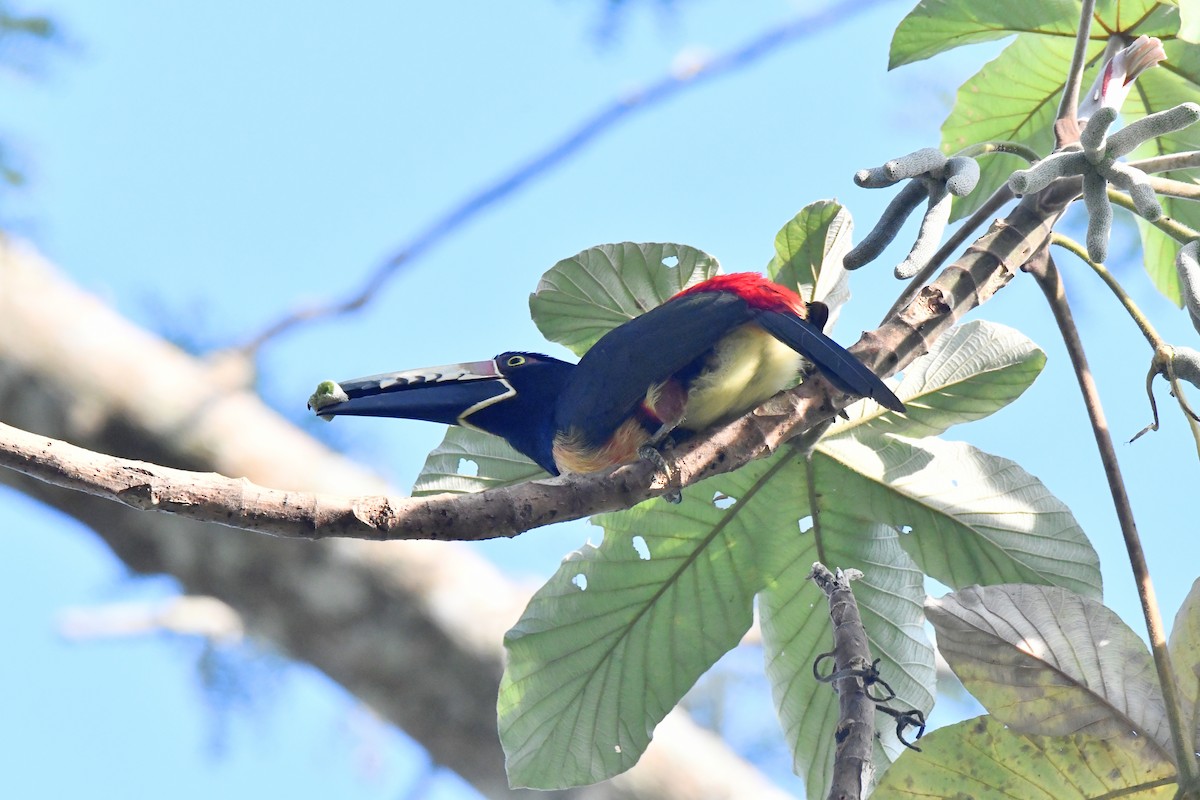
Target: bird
(706,355)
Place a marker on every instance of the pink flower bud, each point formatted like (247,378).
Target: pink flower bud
(1117,75)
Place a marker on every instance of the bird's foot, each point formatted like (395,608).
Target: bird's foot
(670,478)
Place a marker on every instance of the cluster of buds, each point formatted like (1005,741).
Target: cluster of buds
(931,176)
(1095,159)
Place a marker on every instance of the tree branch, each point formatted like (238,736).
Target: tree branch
(413,629)
(853,772)
(1043,269)
(601,122)
(982,270)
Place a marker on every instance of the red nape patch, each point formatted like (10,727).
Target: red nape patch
(754,288)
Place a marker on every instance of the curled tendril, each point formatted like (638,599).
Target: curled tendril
(1175,364)
(931,176)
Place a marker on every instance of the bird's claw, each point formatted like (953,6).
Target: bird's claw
(670,478)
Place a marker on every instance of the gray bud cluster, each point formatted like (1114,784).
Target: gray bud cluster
(931,177)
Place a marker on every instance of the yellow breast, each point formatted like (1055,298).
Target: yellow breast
(747,366)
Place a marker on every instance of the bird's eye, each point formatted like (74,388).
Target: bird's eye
(515,361)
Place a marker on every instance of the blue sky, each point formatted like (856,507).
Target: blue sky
(207,167)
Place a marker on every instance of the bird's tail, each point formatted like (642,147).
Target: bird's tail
(833,360)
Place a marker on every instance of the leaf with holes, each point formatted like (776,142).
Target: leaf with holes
(795,626)
(1004,765)
(969,517)
(1045,661)
(583,297)
(612,642)
(970,372)
(808,255)
(471,461)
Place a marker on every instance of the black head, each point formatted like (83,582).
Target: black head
(512,396)
(525,418)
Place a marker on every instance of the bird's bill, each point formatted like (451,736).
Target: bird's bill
(447,394)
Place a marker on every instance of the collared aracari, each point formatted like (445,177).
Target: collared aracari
(708,354)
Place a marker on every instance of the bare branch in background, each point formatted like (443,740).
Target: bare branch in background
(693,74)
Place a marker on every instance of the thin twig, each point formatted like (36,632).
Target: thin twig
(1168,162)
(1000,146)
(1161,361)
(1168,225)
(466,210)
(1069,103)
(1173,188)
(1043,269)
(1140,319)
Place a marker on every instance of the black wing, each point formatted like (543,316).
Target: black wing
(834,361)
(612,377)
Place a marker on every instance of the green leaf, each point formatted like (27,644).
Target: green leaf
(1132,18)
(796,630)
(612,642)
(971,517)
(936,26)
(981,759)
(1013,98)
(808,255)
(1189,20)
(1048,662)
(471,461)
(581,298)
(1159,249)
(1185,658)
(971,372)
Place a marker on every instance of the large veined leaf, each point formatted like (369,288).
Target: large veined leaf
(471,461)
(1004,765)
(969,516)
(1013,98)
(795,619)
(796,630)
(972,371)
(583,662)
(581,298)
(936,26)
(1046,661)
(1185,657)
(612,642)
(808,255)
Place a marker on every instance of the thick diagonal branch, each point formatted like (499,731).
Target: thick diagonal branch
(984,269)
